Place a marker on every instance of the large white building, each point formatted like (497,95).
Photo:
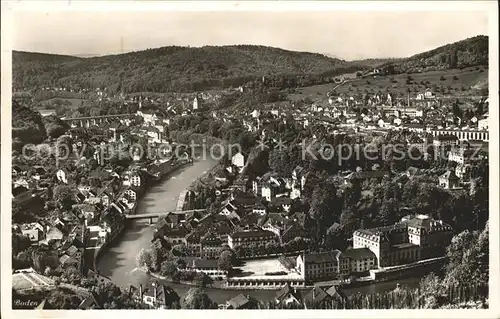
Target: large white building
(412,239)
(333,264)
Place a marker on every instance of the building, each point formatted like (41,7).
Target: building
(319,266)
(392,244)
(62,176)
(252,237)
(432,235)
(33,231)
(359,260)
(149,116)
(463,171)
(238,160)
(444,140)
(195,103)
(483,123)
(288,295)
(241,301)
(316,296)
(460,155)
(159,296)
(208,267)
(274,187)
(259,209)
(211,245)
(117,128)
(449,180)
(174,236)
(133,178)
(427,94)
(284,228)
(131,194)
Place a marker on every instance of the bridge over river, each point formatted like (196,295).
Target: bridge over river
(153,215)
(118,262)
(87,121)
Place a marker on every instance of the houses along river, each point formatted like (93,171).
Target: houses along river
(119,261)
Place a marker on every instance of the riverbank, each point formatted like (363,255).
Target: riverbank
(100,249)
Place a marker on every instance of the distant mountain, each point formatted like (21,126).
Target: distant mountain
(193,69)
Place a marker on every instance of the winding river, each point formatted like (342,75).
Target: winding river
(119,261)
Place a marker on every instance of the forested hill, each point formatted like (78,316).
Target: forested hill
(176,68)
(469,52)
(172,68)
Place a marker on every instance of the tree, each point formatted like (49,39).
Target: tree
(225,261)
(169,268)
(63,195)
(196,298)
(144,259)
(71,275)
(202,279)
(19,243)
(468,256)
(63,298)
(54,126)
(325,208)
(430,291)
(453,61)
(180,250)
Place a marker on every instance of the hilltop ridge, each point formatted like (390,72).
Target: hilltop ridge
(176,68)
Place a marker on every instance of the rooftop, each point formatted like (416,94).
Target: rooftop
(238,301)
(317,294)
(404,246)
(318,258)
(204,263)
(252,233)
(358,253)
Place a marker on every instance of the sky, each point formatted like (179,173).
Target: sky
(347,35)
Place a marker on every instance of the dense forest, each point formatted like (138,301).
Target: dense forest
(172,68)
(187,69)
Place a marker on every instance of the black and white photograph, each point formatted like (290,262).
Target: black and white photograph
(278,155)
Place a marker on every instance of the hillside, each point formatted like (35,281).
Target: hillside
(172,68)
(187,69)
(27,126)
(466,53)
(452,83)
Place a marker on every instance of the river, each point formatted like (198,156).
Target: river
(119,261)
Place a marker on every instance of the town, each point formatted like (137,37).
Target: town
(289,200)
